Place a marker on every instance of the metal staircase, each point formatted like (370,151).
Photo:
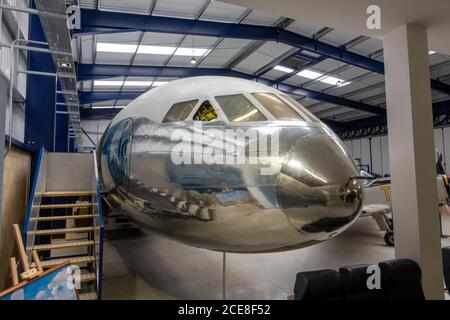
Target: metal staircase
(64,217)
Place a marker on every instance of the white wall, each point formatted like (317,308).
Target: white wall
(94,129)
(18,124)
(380,150)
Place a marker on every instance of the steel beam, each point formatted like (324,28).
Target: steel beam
(94,21)
(103,71)
(93,71)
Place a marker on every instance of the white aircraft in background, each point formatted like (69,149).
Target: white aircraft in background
(378,199)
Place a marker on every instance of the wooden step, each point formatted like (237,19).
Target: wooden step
(88,277)
(54,218)
(87,296)
(73,260)
(84,193)
(65,205)
(64,245)
(63,230)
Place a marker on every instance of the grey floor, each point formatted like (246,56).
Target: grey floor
(141,265)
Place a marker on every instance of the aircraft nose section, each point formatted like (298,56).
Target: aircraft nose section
(317,188)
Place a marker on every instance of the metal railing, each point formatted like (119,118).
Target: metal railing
(98,226)
(37,189)
(49,181)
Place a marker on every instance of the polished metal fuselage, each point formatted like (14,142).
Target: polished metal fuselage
(310,196)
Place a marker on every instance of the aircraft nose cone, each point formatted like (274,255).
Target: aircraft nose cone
(316,188)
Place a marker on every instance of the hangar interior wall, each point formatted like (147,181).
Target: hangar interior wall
(94,129)
(379,162)
(14,24)
(16,183)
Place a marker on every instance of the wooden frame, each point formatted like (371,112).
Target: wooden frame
(25,283)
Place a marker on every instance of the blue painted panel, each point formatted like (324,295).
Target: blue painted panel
(40,99)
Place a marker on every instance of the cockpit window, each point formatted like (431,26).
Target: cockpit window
(277,107)
(206,112)
(239,109)
(180,111)
(301,108)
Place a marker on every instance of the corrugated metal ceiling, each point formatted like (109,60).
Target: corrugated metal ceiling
(222,51)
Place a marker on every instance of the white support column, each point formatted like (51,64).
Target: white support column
(411,150)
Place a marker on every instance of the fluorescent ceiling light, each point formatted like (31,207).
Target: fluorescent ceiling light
(108,107)
(333,81)
(314,75)
(431,52)
(156,50)
(188,52)
(128,83)
(138,83)
(107,83)
(309,74)
(284,69)
(116,47)
(147,49)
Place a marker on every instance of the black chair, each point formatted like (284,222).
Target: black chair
(401,280)
(446,263)
(319,285)
(355,282)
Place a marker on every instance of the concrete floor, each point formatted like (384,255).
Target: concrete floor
(141,265)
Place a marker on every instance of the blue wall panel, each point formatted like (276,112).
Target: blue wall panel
(40,104)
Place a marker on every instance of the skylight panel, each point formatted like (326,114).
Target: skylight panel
(147,49)
(161,50)
(313,75)
(309,74)
(334,81)
(116,47)
(129,83)
(284,69)
(108,83)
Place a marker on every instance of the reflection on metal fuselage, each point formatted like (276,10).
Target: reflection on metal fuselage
(232,207)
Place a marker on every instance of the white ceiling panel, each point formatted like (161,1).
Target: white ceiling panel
(274,74)
(366,94)
(355,115)
(352,72)
(437,58)
(368,47)
(260,18)
(161,39)
(220,11)
(264,55)
(227,49)
(319,107)
(338,38)
(327,65)
(113,58)
(307,101)
(87,49)
(90,4)
(150,60)
(303,29)
(178,8)
(134,6)
(120,37)
(334,112)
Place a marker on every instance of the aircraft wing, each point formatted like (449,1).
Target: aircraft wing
(375,209)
